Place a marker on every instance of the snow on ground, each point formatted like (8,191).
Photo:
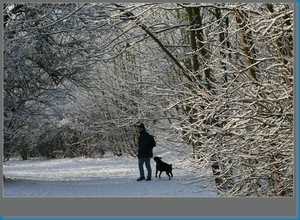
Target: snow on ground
(109,176)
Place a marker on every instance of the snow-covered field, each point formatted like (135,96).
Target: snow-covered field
(109,176)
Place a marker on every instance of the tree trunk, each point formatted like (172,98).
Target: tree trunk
(247,46)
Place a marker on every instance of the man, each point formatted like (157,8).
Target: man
(144,153)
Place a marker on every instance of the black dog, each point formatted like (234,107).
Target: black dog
(162,166)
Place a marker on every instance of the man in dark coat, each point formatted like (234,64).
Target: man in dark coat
(144,153)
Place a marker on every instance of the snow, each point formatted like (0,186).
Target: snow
(109,176)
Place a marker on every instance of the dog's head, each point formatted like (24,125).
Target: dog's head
(156,158)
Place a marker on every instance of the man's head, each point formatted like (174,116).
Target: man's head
(141,127)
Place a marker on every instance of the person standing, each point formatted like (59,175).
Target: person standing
(144,153)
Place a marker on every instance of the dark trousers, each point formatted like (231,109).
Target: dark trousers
(145,160)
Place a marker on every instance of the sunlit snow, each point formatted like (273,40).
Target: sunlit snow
(109,176)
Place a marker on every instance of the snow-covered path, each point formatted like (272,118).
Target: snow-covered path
(97,177)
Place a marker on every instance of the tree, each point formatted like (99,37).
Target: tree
(238,120)
(43,60)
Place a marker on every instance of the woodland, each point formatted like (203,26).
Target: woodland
(215,77)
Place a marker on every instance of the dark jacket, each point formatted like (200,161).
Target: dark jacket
(144,149)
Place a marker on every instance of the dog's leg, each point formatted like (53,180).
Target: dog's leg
(160,173)
(168,175)
(156,173)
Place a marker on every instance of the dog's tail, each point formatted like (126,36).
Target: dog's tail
(170,164)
